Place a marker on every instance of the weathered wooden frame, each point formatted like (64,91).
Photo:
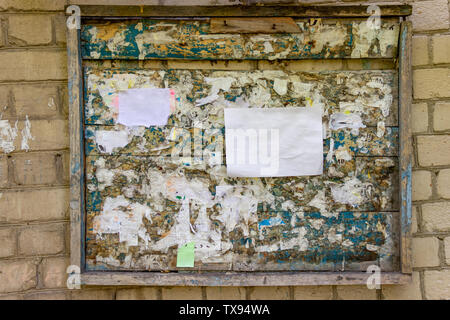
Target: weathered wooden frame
(77,204)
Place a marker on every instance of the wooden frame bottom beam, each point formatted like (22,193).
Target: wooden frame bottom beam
(237,279)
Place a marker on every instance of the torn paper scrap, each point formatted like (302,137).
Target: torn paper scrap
(342,120)
(145,107)
(107,141)
(206,100)
(273,142)
(185,256)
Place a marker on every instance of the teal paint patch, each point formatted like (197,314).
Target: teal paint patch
(361,232)
(406,199)
(190,39)
(271,222)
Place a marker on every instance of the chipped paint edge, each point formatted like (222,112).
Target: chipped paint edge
(405,146)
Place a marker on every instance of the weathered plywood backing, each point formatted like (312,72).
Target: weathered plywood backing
(147,195)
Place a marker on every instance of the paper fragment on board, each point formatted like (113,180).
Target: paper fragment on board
(274,142)
(185,256)
(342,120)
(107,141)
(145,106)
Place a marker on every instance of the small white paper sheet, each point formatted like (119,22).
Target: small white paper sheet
(144,107)
(274,142)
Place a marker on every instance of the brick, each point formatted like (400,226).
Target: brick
(8,240)
(419,116)
(436,216)
(53,272)
(48,134)
(65,166)
(137,294)
(447,250)
(59,21)
(225,293)
(419,50)
(42,135)
(437,284)
(8,136)
(34,101)
(269,293)
(441,49)
(425,252)
(181,293)
(443,183)
(34,205)
(430,15)
(410,291)
(433,150)
(47,5)
(34,168)
(63,91)
(17,275)
(92,294)
(356,293)
(431,83)
(33,65)
(3,172)
(421,185)
(42,240)
(2,43)
(4,100)
(29,29)
(313,293)
(441,116)
(46,295)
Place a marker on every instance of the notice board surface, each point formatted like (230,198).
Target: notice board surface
(149,190)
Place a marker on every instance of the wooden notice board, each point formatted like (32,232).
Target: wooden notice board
(138,193)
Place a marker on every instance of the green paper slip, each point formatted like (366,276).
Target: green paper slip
(185,256)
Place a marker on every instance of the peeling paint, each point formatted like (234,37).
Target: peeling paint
(26,135)
(351,192)
(224,221)
(190,39)
(8,135)
(146,196)
(202,95)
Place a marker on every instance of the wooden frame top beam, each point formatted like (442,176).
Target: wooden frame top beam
(350,11)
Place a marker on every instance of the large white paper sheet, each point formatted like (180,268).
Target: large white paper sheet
(274,142)
(144,107)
